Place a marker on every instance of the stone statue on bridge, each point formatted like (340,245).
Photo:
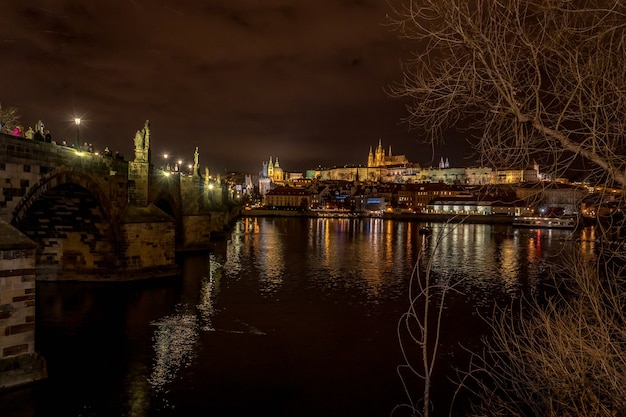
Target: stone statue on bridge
(142,137)
(142,142)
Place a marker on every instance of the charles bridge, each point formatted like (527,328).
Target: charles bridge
(67,214)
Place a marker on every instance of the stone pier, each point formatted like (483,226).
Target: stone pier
(19,362)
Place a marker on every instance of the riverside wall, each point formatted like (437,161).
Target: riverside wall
(416,217)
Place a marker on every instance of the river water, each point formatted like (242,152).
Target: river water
(286,317)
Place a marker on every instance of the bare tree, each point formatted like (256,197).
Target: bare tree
(9,118)
(566,357)
(422,324)
(532,79)
(535,80)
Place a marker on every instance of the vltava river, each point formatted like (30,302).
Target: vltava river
(287,317)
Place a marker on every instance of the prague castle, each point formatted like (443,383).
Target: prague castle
(391,182)
(388,168)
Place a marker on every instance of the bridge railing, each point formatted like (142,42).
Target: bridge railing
(28,151)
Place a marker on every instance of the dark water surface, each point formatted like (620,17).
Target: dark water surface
(287,317)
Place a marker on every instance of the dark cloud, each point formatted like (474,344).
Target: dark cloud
(240,79)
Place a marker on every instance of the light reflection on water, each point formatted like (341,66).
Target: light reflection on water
(298,316)
(176,336)
(375,256)
(174,343)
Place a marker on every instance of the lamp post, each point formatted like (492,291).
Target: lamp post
(77,122)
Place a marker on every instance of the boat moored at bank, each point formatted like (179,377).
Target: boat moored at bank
(545,222)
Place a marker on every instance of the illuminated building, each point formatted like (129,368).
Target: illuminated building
(416,197)
(288,197)
(380,159)
(547,197)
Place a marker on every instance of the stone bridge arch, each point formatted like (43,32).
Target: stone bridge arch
(72,220)
(63,175)
(168,203)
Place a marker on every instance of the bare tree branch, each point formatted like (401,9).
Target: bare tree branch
(529,79)
(537,80)
(9,118)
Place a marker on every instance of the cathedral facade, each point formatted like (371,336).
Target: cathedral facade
(380,159)
(380,167)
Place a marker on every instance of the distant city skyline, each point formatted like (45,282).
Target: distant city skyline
(398,157)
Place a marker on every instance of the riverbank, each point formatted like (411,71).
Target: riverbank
(416,217)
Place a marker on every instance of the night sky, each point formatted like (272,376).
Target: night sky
(243,80)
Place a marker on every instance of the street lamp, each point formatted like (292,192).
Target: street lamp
(77,122)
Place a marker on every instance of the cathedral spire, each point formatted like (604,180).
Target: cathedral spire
(379,159)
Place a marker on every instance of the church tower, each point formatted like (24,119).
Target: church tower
(370,158)
(264,170)
(270,169)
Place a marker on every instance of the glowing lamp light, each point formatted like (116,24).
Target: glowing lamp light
(77,122)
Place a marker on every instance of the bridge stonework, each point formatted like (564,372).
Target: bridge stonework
(70,215)
(19,362)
